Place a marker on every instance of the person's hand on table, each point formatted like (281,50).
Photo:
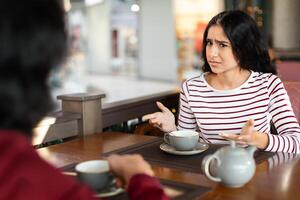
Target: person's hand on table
(126,166)
(164,120)
(249,136)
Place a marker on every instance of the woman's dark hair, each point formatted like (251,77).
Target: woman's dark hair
(32,42)
(246,41)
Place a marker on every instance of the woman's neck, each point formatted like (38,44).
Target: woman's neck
(229,80)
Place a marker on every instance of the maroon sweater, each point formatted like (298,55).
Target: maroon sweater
(24,175)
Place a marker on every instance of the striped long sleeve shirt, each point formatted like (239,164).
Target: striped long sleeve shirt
(262,98)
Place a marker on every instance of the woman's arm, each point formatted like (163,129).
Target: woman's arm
(186,117)
(283,117)
(137,176)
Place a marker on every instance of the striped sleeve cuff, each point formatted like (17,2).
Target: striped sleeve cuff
(271,139)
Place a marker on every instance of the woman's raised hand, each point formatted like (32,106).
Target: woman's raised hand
(165,119)
(249,136)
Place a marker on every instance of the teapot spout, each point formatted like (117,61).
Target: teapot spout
(251,149)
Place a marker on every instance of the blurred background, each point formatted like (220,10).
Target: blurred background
(120,46)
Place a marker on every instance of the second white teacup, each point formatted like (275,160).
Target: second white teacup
(96,174)
(183,140)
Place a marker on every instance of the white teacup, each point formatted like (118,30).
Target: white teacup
(96,174)
(184,140)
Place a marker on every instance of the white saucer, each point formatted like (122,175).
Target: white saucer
(169,149)
(113,192)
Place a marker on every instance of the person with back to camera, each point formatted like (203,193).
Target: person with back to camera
(238,94)
(32,42)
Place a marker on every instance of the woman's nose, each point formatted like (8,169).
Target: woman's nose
(214,51)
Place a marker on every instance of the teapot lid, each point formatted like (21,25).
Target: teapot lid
(233,150)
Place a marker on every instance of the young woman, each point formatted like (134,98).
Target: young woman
(32,43)
(238,95)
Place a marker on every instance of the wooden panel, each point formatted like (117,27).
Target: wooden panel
(48,133)
(118,112)
(84,114)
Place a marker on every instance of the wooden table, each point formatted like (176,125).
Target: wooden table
(277,182)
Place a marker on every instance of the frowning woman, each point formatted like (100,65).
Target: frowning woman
(238,95)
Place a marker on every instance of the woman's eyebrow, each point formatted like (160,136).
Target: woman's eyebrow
(222,41)
(218,41)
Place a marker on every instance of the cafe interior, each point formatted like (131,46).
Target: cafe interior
(126,55)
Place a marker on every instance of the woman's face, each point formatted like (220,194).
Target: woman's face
(219,52)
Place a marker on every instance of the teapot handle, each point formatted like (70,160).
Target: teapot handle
(206,167)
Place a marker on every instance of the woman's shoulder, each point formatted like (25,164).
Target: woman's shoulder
(267,81)
(264,77)
(196,80)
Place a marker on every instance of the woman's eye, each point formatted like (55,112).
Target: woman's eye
(209,43)
(223,45)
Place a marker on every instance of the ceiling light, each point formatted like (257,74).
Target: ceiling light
(135,8)
(92,2)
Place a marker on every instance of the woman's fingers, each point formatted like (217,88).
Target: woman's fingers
(154,118)
(232,137)
(120,182)
(151,116)
(162,107)
(155,122)
(165,119)
(156,114)
(126,166)
(229,136)
(239,139)
(248,127)
(147,117)
(247,135)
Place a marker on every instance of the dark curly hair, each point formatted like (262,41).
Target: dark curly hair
(246,41)
(32,42)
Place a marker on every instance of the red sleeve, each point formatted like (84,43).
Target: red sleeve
(142,186)
(79,192)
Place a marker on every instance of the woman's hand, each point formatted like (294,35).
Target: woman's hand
(126,166)
(248,136)
(165,119)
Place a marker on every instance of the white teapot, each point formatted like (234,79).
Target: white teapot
(231,165)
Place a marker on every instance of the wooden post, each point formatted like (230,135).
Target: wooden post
(90,108)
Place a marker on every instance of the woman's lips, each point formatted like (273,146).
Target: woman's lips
(214,63)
